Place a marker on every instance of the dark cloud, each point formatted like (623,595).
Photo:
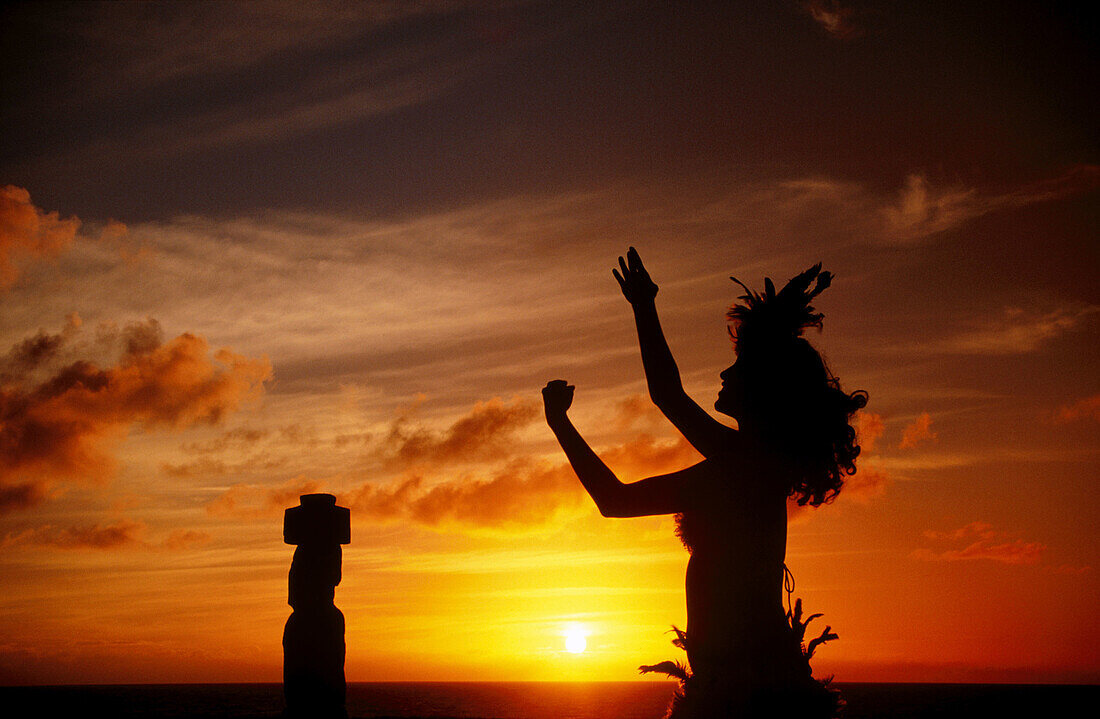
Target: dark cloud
(32,352)
(21,496)
(61,423)
(837,19)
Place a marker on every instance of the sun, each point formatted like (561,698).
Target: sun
(575,641)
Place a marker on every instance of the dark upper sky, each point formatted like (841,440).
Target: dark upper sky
(145,110)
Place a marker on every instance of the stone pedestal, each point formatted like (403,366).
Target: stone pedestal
(313,641)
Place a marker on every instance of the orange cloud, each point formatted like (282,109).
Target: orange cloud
(480,433)
(26,231)
(919,431)
(181,539)
(981,541)
(236,439)
(522,494)
(62,422)
(634,409)
(645,456)
(254,501)
(869,427)
(1020,330)
(121,534)
(867,482)
(1087,408)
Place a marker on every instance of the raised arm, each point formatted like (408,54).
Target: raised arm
(656,495)
(662,376)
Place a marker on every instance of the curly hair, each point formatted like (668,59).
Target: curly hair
(802,412)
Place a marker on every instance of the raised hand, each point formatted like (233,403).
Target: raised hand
(634,280)
(557,397)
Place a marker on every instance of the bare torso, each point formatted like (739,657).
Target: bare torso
(736,529)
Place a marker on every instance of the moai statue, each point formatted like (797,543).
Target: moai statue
(313,641)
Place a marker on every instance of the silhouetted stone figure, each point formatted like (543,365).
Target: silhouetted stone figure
(794,440)
(313,641)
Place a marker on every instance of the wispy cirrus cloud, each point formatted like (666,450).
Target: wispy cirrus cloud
(1018,330)
(154,44)
(918,212)
(924,210)
(371,276)
(977,541)
(307,67)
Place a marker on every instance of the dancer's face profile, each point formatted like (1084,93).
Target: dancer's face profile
(731,398)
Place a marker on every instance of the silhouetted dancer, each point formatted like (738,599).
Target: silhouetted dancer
(313,641)
(793,439)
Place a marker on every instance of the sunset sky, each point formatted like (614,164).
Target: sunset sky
(250,251)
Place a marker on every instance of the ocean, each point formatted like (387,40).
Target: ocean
(529,700)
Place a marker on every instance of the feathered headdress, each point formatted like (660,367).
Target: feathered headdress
(776,316)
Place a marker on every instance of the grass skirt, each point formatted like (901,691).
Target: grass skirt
(750,687)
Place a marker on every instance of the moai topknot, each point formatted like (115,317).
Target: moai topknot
(313,641)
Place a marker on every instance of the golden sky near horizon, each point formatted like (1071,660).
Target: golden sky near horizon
(249,251)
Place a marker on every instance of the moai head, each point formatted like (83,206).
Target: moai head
(318,527)
(317,521)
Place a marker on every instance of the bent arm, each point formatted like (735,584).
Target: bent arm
(656,495)
(598,480)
